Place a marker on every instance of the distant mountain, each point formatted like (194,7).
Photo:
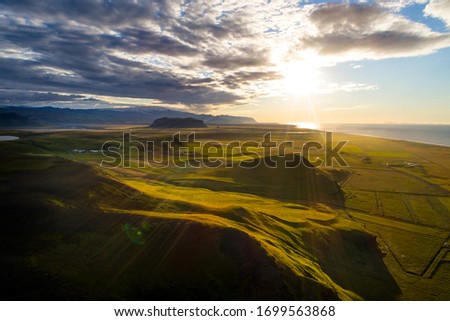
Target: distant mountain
(187,122)
(15,120)
(76,118)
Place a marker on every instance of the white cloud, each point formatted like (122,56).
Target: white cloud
(397,5)
(347,87)
(439,9)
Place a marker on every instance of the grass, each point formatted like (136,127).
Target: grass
(361,200)
(425,211)
(88,232)
(394,206)
(391,181)
(413,253)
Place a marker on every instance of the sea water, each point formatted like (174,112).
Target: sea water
(423,133)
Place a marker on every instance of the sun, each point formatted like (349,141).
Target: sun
(300,78)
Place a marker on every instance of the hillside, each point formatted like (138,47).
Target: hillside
(88,236)
(302,183)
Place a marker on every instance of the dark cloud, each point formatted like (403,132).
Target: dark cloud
(85,60)
(110,80)
(246,57)
(81,61)
(346,18)
(201,81)
(382,44)
(256,75)
(369,30)
(93,13)
(229,27)
(240,78)
(7,97)
(138,41)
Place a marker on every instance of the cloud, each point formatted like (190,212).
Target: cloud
(439,9)
(110,79)
(243,78)
(197,54)
(355,32)
(235,59)
(94,13)
(347,87)
(80,50)
(136,40)
(11,97)
(398,5)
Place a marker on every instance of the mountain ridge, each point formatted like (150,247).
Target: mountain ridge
(49,116)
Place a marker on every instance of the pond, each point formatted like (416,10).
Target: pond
(7,138)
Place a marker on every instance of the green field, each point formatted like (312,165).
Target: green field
(72,229)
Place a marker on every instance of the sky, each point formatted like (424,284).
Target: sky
(276,61)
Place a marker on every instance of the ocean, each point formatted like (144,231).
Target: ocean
(423,133)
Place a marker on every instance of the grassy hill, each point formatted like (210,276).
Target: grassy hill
(74,230)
